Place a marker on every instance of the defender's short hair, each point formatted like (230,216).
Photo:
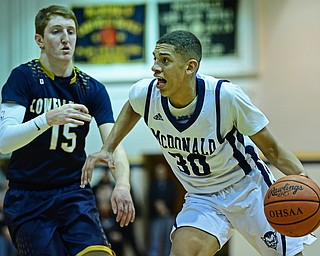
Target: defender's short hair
(43,17)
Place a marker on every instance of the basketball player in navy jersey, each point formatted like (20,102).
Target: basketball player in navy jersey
(209,132)
(47,106)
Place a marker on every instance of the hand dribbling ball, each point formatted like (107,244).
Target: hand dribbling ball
(291,205)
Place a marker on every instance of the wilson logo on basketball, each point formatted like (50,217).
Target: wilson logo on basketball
(284,191)
(285,213)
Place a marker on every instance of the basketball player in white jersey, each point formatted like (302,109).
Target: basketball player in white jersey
(209,132)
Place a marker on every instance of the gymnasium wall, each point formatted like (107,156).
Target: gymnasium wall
(285,84)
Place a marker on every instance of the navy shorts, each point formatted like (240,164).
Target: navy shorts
(63,221)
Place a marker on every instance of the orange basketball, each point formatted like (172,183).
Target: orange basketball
(291,205)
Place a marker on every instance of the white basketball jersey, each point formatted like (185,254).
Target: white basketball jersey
(212,149)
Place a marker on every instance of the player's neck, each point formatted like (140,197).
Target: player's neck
(58,68)
(184,97)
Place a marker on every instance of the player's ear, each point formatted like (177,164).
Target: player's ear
(192,66)
(39,40)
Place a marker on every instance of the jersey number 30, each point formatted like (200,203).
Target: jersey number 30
(193,163)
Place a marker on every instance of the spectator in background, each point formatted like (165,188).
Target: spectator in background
(6,246)
(103,191)
(118,237)
(162,195)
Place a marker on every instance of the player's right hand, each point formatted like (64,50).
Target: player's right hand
(69,113)
(122,205)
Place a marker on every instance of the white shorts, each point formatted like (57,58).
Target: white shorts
(239,207)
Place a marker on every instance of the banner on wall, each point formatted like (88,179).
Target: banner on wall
(110,34)
(214,22)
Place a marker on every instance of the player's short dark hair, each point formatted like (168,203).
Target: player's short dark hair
(43,17)
(184,42)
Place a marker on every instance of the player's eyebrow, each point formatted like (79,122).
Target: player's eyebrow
(57,26)
(161,54)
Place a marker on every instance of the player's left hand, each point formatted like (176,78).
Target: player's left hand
(122,205)
(102,156)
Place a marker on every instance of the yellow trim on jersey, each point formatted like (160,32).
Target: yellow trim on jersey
(96,248)
(74,78)
(52,76)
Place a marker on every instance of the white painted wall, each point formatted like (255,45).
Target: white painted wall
(289,88)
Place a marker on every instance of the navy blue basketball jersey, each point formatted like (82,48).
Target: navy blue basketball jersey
(54,158)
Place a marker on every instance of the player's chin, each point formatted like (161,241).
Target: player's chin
(67,56)
(164,93)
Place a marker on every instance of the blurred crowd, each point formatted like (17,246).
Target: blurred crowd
(6,247)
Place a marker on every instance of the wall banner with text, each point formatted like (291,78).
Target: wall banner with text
(213,21)
(110,34)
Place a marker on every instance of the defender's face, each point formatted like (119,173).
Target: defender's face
(170,69)
(59,38)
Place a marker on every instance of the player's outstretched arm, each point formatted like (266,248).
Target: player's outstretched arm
(125,122)
(279,156)
(113,154)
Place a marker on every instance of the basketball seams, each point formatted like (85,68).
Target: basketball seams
(317,192)
(292,205)
(293,200)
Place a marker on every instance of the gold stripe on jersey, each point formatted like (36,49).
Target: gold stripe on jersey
(96,248)
(52,76)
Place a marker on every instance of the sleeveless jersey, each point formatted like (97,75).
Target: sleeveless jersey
(54,158)
(212,149)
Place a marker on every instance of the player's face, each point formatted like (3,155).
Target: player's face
(170,69)
(59,38)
